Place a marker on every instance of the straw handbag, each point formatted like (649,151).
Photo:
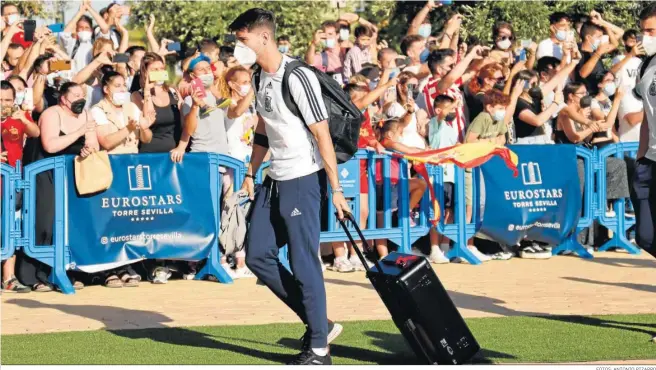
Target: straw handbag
(93,174)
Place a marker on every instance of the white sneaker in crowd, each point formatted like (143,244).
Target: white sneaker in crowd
(357,264)
(437,256)
(482,257)
(342,264)
(243,273)
(161,275)
(535,252)
(228,269)
(501,256)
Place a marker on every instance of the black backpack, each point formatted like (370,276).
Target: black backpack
(344,118)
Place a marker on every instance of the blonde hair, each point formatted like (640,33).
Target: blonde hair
(227,77)
(99,44)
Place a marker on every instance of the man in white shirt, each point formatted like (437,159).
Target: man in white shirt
(560,32)
(630,116)
(626,66)
(288,208)
(646,90)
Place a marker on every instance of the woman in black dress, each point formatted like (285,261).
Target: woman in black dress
(66,128)
(161,105)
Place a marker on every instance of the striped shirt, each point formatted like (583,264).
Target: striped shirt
(294,151)
(354,60)
(431,92)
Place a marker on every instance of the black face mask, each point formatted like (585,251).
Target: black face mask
(535,93)
(77,106)
(450,117)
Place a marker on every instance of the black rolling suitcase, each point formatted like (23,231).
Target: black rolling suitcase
(420,306)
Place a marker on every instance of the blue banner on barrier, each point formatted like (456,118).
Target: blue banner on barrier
(153,209)
(542,204)
(349,178)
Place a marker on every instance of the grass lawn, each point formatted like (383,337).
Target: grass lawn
(504,340)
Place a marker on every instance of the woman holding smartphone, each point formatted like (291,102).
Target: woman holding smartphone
(161,105)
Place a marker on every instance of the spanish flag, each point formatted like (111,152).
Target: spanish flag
(462,155)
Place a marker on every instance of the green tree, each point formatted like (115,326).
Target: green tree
(191,21)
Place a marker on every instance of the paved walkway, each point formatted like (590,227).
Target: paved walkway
(612,283)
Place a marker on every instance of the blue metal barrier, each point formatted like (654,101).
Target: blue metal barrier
(10,228)
(57,255)
(619,223)
(459,231)
(571,244)
(20,232)
(213,264)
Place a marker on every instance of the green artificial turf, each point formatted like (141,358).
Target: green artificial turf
(504,340)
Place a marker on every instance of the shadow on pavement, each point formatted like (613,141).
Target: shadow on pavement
(639,287)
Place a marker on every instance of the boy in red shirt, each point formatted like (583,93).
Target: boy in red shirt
(15,125)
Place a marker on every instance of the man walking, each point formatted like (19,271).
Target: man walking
(287,209)
(646,89)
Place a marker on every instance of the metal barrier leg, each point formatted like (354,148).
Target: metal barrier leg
(619,239)
(213,267)
(571,244)
(460,248)
(58,276)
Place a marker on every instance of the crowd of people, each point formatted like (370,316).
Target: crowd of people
(68,93)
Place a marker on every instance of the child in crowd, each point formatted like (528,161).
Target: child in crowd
(389,135)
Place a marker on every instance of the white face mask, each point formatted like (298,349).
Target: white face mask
(504,44)
(84,36)
(244,55)
(344,34)
(20,96)
(561,35)
(330,43)
(207,79)
(243,90)
(610,88)
(499,115)
(120,98)
(13,19)
(649,43)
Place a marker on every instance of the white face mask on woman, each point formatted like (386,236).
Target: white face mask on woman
(207,79)
(504,44)
(84,36)
(120,98)
(244,90)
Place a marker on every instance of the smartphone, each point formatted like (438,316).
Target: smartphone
(29,26)
(639,37)
(526,43)
(120,58)
(156,76)
(605,39)
(197,85)
(411,88)
(446,2)
(174,46)
(527,85)
(28,100)
(60,65)
(230,38)
(56,28)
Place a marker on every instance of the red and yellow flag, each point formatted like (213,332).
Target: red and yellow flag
(462,155)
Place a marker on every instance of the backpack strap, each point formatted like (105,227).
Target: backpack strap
(324,60)
(257,74)
(286,94)
(645,64)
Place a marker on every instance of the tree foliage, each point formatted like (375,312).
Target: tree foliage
(191,21)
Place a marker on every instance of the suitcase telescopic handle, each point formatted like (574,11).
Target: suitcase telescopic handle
(349,216)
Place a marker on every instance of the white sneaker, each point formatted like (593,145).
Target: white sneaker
(161,275)
(501,256)
(356,263)
(482,257)
(243,273)
(228,269)
(342,264)
(437,257)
